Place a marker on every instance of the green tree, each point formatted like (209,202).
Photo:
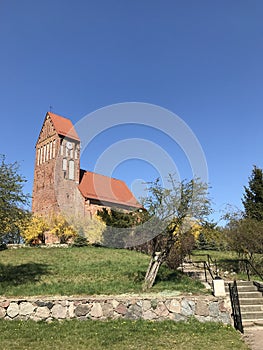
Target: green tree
(171,211)
(120,226)
(12,198)
(253,196)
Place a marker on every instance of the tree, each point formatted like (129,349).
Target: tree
(12,198)
(243,234)
(253,196)
(171,212)
(120,226)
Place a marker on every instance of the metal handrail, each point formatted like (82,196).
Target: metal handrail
(236,312)
(247,262)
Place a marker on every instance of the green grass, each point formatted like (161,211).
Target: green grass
(118,335)
(88,270)
(228,261)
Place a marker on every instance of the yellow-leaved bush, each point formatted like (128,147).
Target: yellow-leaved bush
(33,229)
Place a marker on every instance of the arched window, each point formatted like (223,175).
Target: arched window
(71,170)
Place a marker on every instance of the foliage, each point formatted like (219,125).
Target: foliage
(80,241)
(120,226)
(173,209)
(61,227)
(119,335)
(211,237)
(245,236)
(33,229)
(12,198)
(253,196)
(92,229)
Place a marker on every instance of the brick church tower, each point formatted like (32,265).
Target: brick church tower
(57,168)
(60,186)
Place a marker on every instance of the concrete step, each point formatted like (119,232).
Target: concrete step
(251,301)
(256,315)
(247,288)
(243,295)
(251,308)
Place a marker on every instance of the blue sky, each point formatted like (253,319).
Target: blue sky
(202,60)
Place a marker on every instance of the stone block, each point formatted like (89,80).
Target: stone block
(59,311)
(82,310)
(12,310)
(202,308)
(2,312)
(26,308)
(188,307)
(42,313)
(96,310)
(173,306)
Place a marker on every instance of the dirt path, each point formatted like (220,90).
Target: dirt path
(254,338)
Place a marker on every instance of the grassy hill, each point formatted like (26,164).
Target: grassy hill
(89,270)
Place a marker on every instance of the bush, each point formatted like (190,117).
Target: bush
(80,241)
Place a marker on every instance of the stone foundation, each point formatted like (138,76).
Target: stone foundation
(180,308)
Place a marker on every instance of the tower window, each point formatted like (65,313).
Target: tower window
(38,156)
(44,155)
(64,164)
(50,150)
(71,170)
(54,148)
(47,155)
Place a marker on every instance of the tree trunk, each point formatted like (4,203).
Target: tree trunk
(156,261)
(153,268)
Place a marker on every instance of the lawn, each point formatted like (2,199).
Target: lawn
(229,261)
(88,270)
(118,335)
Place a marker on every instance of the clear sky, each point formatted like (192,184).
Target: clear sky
(202,60)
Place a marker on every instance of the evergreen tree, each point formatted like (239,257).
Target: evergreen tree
(253,196)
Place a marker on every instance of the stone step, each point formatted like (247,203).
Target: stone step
(247,288)
(257,315)
(250,308)
(243,295)
(251,301)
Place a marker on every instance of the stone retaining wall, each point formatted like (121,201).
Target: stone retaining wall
(204,308)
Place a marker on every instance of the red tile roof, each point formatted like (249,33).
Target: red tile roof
(63,126)
(107,189)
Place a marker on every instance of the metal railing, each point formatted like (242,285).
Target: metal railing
(249,266)
(236,313)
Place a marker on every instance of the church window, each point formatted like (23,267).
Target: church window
(71,153)
(44,155)
(62,149)
(47,155)
(50,150)
(66,151)
(54,148)
(71,170)
(38,156)
(41,154)
(64,164)
(76,154)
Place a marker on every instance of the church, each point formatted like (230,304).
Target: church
(61,186)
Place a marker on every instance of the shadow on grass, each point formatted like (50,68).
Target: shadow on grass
(14,275)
